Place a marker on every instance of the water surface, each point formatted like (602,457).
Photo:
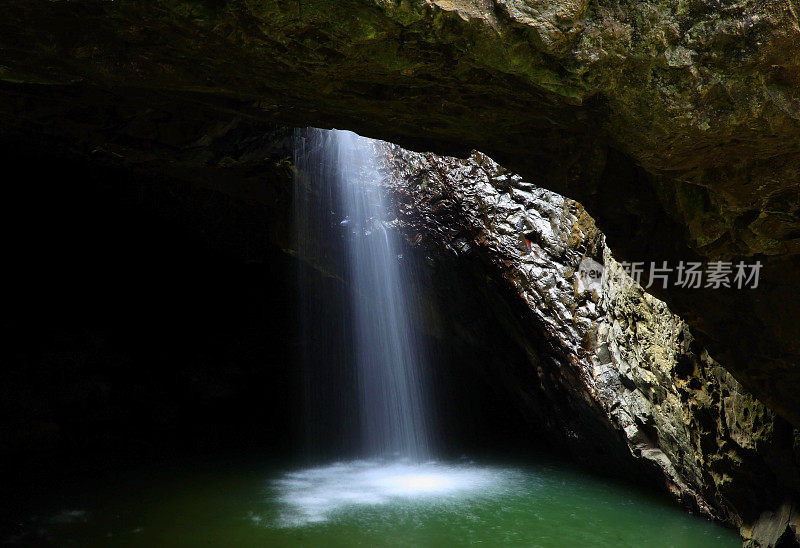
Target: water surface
(369,503)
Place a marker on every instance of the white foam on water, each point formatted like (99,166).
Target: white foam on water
(315,495)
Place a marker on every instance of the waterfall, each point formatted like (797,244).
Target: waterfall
(341,220)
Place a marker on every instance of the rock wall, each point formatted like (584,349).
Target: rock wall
(619,368)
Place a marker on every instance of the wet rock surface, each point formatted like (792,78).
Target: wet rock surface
(619,369)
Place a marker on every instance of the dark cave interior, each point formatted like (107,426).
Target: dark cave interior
(137,333)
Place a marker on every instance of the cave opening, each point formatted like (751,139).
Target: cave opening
(154,323)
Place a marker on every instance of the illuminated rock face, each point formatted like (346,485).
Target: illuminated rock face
(620,370)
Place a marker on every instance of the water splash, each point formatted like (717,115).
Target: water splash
(319,494)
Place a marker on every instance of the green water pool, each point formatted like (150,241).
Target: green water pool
(368,503)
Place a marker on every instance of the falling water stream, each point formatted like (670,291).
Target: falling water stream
(343,170)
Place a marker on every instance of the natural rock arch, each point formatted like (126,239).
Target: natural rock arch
(674,123)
